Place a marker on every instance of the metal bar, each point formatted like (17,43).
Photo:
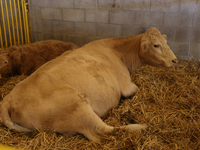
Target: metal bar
(8,22)
(24,21)
(27,25)
(1,38)
(20,23)
(6,43)
(16,22)
(25,31)
(11,14)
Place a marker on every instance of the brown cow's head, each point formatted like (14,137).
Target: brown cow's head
(5,65)
(154,50)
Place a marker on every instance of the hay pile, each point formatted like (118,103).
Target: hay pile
(168,101)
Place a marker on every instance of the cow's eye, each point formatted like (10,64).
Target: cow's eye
(156,46)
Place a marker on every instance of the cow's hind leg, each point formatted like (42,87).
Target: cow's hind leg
(92,125)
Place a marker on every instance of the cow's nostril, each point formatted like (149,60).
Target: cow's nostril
(175,61)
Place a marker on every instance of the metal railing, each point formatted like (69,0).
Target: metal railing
(14,23)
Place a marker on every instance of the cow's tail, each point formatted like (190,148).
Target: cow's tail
(6,120)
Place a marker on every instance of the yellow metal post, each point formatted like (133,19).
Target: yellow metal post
(1,38)
(20,22)
(24,21)
(16,22)
(8,22)
(6,43)
(29,24)
(11,14)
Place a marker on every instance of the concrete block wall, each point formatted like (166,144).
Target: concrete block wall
(82,21)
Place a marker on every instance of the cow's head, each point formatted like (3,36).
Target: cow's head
(154,50)
(5,66)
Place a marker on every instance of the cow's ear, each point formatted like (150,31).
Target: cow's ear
(144,45)
(165,36)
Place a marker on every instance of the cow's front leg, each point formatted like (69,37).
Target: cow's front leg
(128,89)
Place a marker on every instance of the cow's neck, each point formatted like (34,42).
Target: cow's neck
(127,50)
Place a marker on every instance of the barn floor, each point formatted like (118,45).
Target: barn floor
(168,101)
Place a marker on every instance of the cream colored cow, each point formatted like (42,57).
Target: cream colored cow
(70,93)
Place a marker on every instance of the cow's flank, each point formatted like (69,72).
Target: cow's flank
(69,94)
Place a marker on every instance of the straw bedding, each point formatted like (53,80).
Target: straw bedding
(168,101)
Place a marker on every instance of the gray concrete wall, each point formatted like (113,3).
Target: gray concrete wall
(82,21)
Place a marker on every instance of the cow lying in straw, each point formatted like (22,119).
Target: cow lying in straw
(25,59)
(70,93)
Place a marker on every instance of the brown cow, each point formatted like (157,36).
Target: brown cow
(70,93)
(25,59)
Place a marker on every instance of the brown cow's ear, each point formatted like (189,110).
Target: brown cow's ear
(165,36)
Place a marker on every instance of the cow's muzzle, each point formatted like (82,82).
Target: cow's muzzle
(174,62)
